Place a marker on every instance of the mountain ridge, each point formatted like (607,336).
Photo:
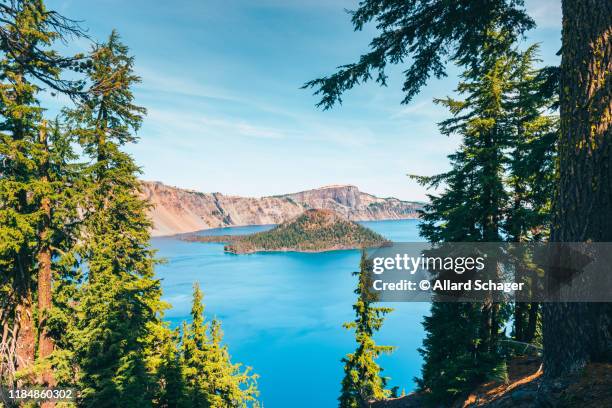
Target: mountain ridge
(175,210)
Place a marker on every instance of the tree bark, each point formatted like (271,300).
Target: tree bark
(26,340)
(577,333)
(45,342)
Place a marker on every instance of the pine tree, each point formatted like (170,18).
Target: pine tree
(120,305)
(65,181)
(531,175)
(362,382)
(470,209)
(194,350)
(55,194)
(79,304)
(28,195)
(210,377)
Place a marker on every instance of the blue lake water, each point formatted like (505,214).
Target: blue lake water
(282,313)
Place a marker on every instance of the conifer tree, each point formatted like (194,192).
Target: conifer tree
(470,209)
(211,379)
(27,193)
(55,194)
(59,318)
(194,350)
(508,150)
(363,382)
(452,363)
(531,174)
(120,303)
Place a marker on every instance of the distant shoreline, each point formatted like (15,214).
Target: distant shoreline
(176,211)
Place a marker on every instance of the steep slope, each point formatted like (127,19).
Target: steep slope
(312,231)
(176,210)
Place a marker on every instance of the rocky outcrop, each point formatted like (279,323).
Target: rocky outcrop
(176,210)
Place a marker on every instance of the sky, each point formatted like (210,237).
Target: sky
(221,82)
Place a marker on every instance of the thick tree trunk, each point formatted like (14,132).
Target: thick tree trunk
(577,333)
(45,342)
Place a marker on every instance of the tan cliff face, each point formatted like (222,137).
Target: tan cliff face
(176,211)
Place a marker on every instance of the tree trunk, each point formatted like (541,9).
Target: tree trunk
(519,314)
(485,326)
(532,322)
(26,340)
(45,342)
(494,329)
(577,333)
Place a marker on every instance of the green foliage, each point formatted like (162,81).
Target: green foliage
(426,35)
(34,168)
(119,304)
(210,378)
(474,198)
(453,359)
(362,380)
(531,176)
(498,188)
(84,212)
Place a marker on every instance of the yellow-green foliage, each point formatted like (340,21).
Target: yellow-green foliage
(210,378)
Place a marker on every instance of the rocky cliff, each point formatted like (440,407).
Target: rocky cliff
(178,211)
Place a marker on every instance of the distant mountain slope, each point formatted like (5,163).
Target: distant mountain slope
(178,210)
(312,231)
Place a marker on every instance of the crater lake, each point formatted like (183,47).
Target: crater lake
(282,312)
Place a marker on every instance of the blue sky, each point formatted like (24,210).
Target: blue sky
(221,83)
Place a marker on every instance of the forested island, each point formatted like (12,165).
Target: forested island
(312,231)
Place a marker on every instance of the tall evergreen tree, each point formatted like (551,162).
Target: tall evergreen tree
(27,193)
(430,34)
(531,175)
(120,303)
(363,382)
(58,317)
(576,333)
(469,209)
